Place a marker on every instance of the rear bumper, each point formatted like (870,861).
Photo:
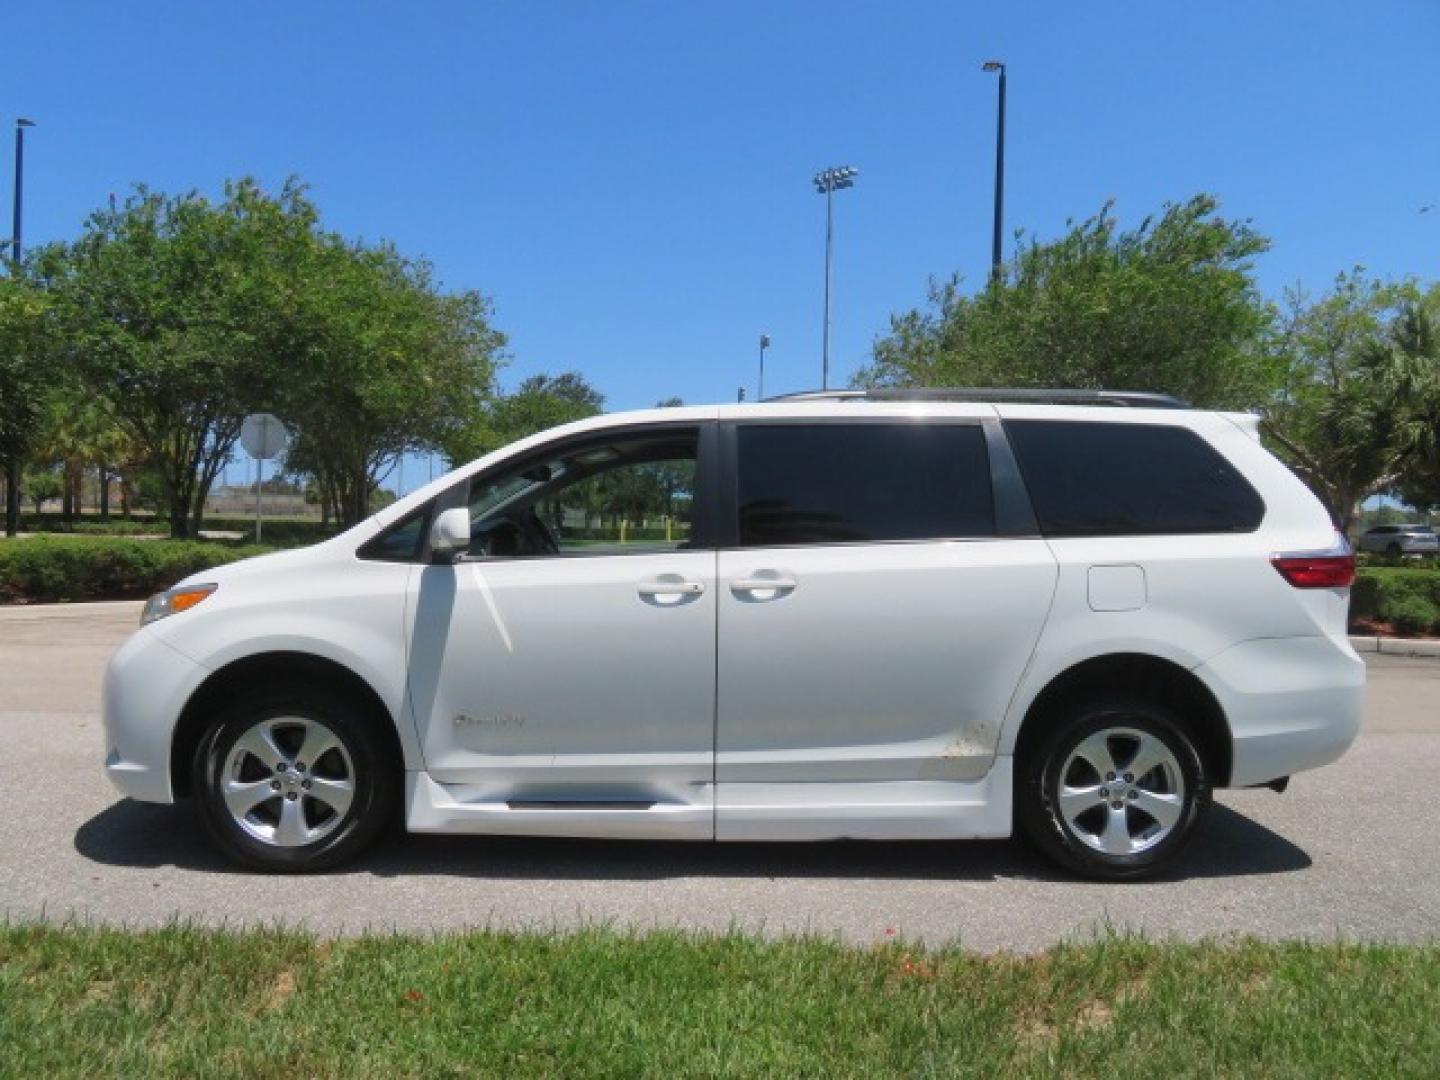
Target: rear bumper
(1292,703)
(147,684)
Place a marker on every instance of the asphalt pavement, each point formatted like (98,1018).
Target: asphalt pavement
(1352,850)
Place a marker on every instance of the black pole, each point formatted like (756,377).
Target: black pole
(12,465)
(996,245)
(19,189)
(760,390)
(825,338)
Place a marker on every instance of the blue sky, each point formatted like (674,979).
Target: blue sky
(630,182)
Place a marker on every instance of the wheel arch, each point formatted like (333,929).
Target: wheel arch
(259,669)
(1150,677)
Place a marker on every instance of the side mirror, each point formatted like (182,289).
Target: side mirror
(450,535)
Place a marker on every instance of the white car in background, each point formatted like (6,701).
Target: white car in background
(1400,540)
(883,615)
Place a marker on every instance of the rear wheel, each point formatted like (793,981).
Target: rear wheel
(294,779)
(1393,551)
(1115,791)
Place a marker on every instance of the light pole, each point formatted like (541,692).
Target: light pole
(995,253)
(12,466)
(764,344)
(827,182)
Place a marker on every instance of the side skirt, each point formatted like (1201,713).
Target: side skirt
(432,807)
(873,810)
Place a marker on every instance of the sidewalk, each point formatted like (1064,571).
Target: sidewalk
(107,610)
(1393,646)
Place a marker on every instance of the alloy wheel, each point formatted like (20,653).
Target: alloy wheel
(1121,791)
(288,781)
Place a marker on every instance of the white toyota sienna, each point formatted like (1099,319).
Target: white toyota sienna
(882,615)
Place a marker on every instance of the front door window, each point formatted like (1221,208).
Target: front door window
(624,495)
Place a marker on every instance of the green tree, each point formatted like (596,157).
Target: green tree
(1331,419)
(42,485)
(75,432)
(182,314)
(386,364)
(538,403)
(173,309)
(1401,372)
(23,385)
(1169,306)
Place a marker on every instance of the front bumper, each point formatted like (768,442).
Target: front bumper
(147,684)
(1293,703)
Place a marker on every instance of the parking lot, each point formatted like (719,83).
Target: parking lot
(1350,850)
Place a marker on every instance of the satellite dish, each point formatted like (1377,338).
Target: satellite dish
(263,436)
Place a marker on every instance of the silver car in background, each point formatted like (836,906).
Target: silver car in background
(1400,540)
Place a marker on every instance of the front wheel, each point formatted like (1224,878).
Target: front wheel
(294,779)
(1115,791)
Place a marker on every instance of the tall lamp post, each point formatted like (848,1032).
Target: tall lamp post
(827,182)
(12,466)
(995,253)
(764,344)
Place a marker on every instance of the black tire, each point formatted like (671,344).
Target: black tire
(1038,789)
(1394,551)
(376,778)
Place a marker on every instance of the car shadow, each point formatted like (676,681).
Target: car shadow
(143,835)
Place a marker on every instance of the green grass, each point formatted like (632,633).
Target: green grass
(183,1001)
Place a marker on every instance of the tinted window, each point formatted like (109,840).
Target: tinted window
(844,483)
(401,542)
(1089,479)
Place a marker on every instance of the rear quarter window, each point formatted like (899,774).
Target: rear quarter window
(1103,479)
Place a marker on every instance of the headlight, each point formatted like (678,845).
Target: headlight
(174,601)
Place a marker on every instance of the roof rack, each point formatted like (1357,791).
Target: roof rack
(1139,399)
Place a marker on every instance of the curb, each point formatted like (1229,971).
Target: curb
(1395,646)
(37,612)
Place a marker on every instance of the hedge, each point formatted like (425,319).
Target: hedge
(282,532)
(49,568)
(1408,599)
(93,526)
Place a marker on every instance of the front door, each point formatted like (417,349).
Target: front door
(562,675)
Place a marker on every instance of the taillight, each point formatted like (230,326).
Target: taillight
(1316,571)
(1331,569)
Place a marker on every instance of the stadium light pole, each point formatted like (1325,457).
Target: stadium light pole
(995,247)
(827,182)
(12,467)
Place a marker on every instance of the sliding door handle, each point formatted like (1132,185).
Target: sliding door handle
(670,588)
(764,588)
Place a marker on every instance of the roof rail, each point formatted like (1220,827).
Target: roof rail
(1140,399)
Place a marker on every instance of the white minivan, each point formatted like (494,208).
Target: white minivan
(882,615)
